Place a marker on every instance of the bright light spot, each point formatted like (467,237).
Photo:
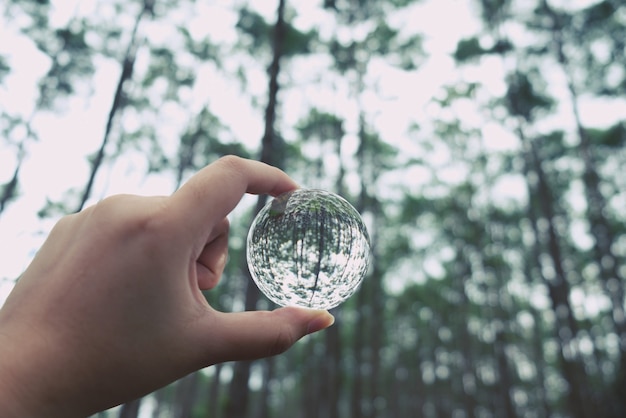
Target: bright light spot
(601,112)
(579,231)
(433,268)
(498,138)
(510,188)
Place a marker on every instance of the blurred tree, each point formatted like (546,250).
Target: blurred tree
(70,60)
(128,63)
(238,394)
(601,14)
(548,181)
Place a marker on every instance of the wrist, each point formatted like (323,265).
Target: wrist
(27,383)
(14,397)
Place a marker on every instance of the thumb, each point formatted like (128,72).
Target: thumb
(257,334)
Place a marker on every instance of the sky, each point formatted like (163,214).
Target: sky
(58,161)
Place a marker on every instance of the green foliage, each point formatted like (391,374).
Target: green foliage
(343,55)
(491,9)
(260,34)
(523,98)
(163,65)
(598,13)
(381,39)
(471,49)
(320,124)
(613,137)
(202,50)
(468,49)
(56,209)
(386,41)
(4,68)
(71,60)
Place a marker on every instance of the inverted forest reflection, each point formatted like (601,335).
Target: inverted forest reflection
(308,248)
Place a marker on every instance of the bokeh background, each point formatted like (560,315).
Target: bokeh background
(483,141)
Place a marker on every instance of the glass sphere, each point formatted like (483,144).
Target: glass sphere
(308,248)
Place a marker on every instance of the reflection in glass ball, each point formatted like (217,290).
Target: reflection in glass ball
(308,248)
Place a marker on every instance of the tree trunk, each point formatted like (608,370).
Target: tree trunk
(118,102)
(264,410)
(468,382)
(544,410)
(214,392)
(332,365)
(186,395)
(604,256)
(309,381)
(505,383)
(238,400)
(356,395)
(558,290)
(596,203)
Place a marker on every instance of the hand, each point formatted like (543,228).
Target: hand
(111,307)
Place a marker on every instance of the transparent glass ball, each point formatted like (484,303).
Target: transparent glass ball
(308,248)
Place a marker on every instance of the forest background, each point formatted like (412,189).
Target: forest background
(481,140)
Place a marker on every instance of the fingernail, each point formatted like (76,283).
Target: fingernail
(320,322)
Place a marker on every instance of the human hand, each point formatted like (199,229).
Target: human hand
(111,307)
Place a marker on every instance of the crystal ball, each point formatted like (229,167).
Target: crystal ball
(308,248)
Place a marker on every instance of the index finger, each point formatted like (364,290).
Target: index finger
(214,191)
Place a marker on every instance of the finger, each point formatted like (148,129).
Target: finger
(258,334)
(215,190)
(211,261)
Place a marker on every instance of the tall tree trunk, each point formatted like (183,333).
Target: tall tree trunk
(356,394)
(559,291)
(264,409)
(238,399)
(468,382)
(186,395)
(505,383)
(333,379)
(531,269)
(607,262)
(333,372)
(310,381)
(118,102)
(214,392)
(358,400)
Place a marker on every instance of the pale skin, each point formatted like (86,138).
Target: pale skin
(111,308)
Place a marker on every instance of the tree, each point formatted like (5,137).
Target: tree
(238,403)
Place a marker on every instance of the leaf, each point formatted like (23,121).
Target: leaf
(203,50)
(260,32)
(523,98)
(598,13)
(4,68)
(468,49)
(491,8)
(381,39)
(254,25)
(297,42)
(344,55)
(612,137)
(321,124)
